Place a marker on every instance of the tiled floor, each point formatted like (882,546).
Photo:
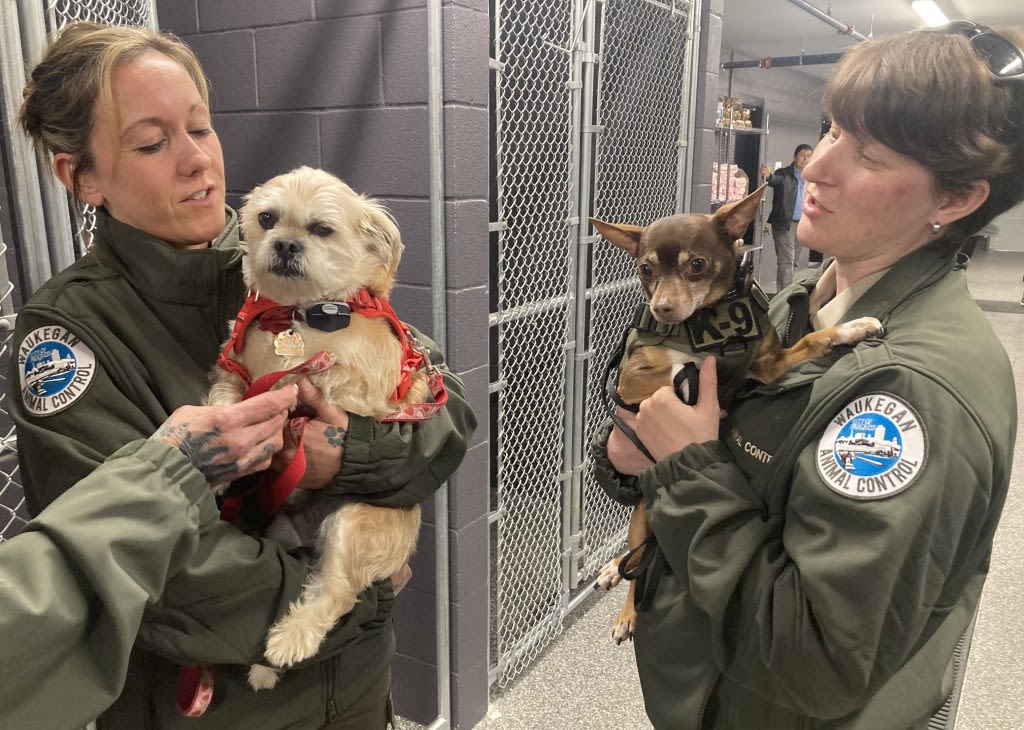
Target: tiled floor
(584,682)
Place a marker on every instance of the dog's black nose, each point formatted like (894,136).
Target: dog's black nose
(287,250)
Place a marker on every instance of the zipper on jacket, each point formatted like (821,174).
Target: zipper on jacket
(331,675)
(799,308)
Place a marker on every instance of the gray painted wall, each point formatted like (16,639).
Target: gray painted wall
(791,98)
(342,84)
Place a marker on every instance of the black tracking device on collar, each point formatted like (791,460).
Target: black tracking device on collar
(328,316)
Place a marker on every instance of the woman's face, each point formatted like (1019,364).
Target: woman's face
(866,203)
(158,166)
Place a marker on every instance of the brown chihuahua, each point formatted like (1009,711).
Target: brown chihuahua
(700,300)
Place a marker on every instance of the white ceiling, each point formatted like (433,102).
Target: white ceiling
(781,28)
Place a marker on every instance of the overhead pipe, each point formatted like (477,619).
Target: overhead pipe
(843,28)
(803,59)
(811,59)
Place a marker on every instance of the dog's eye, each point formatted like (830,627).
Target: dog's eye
(698,265)
(320,230)
(646,271)
(267,220)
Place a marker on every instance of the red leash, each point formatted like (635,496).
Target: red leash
(273,492)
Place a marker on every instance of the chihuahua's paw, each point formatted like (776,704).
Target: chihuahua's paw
(262,677)
(857,330)
(625,626)
(609,576)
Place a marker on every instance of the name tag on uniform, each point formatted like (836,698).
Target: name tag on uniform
(727,322)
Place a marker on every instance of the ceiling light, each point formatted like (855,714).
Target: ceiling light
(929,12)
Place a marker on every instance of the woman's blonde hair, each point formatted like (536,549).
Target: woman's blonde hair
(73,79)
(929,96)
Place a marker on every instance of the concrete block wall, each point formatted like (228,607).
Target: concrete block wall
(342,84)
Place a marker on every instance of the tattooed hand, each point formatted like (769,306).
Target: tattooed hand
(323,439)
(226,442)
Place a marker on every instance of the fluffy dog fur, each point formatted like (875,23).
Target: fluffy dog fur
(312,238)
(687,262)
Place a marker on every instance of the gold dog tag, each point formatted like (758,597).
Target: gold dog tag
(289,344)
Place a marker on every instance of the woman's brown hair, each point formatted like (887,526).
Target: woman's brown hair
(928,95)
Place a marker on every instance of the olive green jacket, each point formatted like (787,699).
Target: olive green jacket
(71,604)
(827,553)
(142,324)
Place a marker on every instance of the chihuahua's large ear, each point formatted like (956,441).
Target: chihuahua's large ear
(620,235)
(735,217)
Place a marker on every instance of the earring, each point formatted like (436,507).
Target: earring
(936,227)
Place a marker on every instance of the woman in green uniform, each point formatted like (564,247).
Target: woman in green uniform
(825,544)
(107,349)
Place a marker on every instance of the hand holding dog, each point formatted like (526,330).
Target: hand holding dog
(323,439)
(665,424)
(227,442)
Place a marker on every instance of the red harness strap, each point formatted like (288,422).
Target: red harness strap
(271,316)
(413,360)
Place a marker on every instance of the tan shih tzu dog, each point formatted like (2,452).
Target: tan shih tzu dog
(321,263)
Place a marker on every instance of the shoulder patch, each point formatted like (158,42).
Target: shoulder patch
(874,448)
(56,368)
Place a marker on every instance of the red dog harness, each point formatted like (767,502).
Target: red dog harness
(195,683)
(277,318)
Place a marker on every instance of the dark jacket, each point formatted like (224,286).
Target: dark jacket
(143,323)
(828,552)
(783,183)
(71,605)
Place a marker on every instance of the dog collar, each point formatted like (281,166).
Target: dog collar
(734,319)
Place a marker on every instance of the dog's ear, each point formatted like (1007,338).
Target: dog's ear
(620,235)
(383,238)
(735,217)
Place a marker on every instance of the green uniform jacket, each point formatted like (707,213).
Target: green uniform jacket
(827,553)
(142,324)
(70,605)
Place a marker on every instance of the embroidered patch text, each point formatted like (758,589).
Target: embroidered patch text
(56,368)
(874,448)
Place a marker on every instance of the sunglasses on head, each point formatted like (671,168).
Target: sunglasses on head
(1004,59)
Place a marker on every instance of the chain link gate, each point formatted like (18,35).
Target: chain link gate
(591,117)
(44,220)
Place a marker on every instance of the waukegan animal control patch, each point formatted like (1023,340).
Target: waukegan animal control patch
(56,369)
(874,448)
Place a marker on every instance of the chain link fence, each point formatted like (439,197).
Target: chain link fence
(588,109)
(13,513)
(39,254)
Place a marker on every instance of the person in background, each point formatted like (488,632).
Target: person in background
(787,184)
(107,349)
(825,543)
